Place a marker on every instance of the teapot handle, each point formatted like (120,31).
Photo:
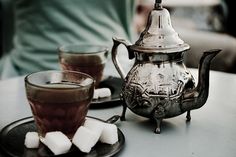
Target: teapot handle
(116,62)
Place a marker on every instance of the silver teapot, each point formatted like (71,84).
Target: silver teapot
(158,85)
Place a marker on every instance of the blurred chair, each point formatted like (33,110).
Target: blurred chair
(207,15)
(204,40)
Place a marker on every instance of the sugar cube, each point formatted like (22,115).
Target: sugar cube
(101,93)
(32,140)
(95,94)
(86,82)
(94,125)
(84,139)
(109,134)
(57,142)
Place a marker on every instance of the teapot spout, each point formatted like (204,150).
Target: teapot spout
(197,97)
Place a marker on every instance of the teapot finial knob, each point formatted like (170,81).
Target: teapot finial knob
(158,4)
(159,36)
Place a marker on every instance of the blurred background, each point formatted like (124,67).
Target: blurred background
(203,24)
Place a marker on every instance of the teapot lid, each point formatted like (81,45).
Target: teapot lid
(159,35)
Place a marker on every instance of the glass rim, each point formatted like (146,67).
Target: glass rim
(65,49)
(26,79)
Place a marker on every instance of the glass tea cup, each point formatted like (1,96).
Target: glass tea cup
(90,59)
(59,100)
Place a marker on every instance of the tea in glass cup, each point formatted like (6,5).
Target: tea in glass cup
(89,59)
(59,100)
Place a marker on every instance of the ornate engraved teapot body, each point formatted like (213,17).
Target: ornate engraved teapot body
(158,85)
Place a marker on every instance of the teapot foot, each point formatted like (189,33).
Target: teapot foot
(122,117)
(188,116)
(158,126)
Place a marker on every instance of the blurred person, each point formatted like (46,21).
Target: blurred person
(43,25)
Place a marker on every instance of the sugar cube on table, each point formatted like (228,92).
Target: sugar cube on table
(32,140)
(109,134)
(101,93)
(57,142)
(84,139)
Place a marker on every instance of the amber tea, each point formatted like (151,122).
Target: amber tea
(59,101)
(89,59)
